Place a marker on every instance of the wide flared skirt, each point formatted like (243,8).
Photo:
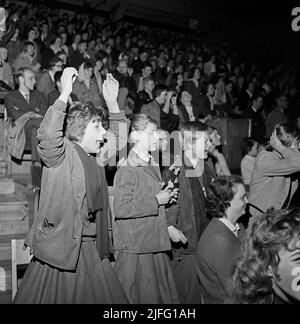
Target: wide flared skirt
(93,282)
(147,278)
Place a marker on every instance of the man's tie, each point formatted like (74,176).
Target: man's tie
(27,97)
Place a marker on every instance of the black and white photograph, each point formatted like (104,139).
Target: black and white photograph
(149,155)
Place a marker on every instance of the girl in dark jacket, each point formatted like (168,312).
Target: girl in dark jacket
(141,235)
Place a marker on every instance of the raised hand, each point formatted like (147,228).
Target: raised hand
(110,88)
(68,77)
(275,143)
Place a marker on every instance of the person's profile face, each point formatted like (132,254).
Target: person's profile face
(201,146)
(289,273)
(32,35)
(63,57)
(283,102)
(29,80)
(254,150)
(58,42)
(122,68)
(92,44)
(180,79)
(186,97)
(211,90)
(44,29)
(64,38)
(148,139)
(144,57)
(93,137)
(229,87)
(3,54)
(258,103)
(148,71)
(82,47)
(77,39)
(215,139)
(239,201)
(149,85)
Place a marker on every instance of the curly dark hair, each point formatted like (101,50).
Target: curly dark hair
(267,235)
(221,192)
(247,145)
(79,117)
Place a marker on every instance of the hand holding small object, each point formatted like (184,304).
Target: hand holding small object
(176,235)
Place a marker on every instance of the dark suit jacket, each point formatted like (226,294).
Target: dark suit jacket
(217,252)
(184,116)
(258,124)
(204,106)
(17,106)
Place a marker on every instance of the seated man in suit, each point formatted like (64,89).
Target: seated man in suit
(27,108)
(45,82)
(145,96)
(253,112)
(187,111)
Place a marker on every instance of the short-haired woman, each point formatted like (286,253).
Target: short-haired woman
(249,154)
(272,182)
(219,245)
(140,233)
(268,269)
(69,238)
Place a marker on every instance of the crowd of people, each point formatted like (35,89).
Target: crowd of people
(88,90)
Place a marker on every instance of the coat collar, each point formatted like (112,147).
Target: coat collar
(136,161)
